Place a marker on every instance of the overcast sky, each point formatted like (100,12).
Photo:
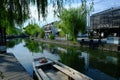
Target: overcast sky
(99,5)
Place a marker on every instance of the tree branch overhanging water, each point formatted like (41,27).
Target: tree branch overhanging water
(17,11)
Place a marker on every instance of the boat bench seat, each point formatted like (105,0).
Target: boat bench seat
(71,74)
(43,75)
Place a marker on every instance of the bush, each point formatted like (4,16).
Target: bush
(42,34)
(52,36)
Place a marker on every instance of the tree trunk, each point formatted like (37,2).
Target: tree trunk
(2,40)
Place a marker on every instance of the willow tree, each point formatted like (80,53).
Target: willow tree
(14,12)
(32,29)
(74,20)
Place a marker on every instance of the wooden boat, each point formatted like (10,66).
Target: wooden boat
(47,69)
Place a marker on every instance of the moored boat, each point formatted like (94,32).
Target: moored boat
(47,69)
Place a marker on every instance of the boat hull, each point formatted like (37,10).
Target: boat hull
(54,70)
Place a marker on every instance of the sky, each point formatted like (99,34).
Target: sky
(99,5)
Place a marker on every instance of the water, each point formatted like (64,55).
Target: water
(97,64)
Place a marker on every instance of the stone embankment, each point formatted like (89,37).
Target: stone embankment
(92,45)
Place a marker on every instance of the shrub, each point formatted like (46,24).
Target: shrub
(52,36)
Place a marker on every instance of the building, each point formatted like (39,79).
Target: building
(50,29)
(106,22)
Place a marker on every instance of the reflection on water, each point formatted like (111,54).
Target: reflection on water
(23,55)
(32,46)
(98,64)
(12,42)
(72,59)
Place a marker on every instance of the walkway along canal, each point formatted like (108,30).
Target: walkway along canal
(11,69)
(97,64)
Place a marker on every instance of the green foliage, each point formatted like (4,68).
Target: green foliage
(52,36)
(73,21)
(13,11)
(58,25)
(32,29)
(11,31)
(62,34)
(42,33)
(19,31)
(17,11)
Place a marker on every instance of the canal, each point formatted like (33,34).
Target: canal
(97,64)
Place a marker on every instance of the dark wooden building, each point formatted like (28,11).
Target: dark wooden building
(107,22)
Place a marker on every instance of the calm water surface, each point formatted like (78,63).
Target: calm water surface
(97,64)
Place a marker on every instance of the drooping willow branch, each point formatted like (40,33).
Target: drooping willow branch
(17,11)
